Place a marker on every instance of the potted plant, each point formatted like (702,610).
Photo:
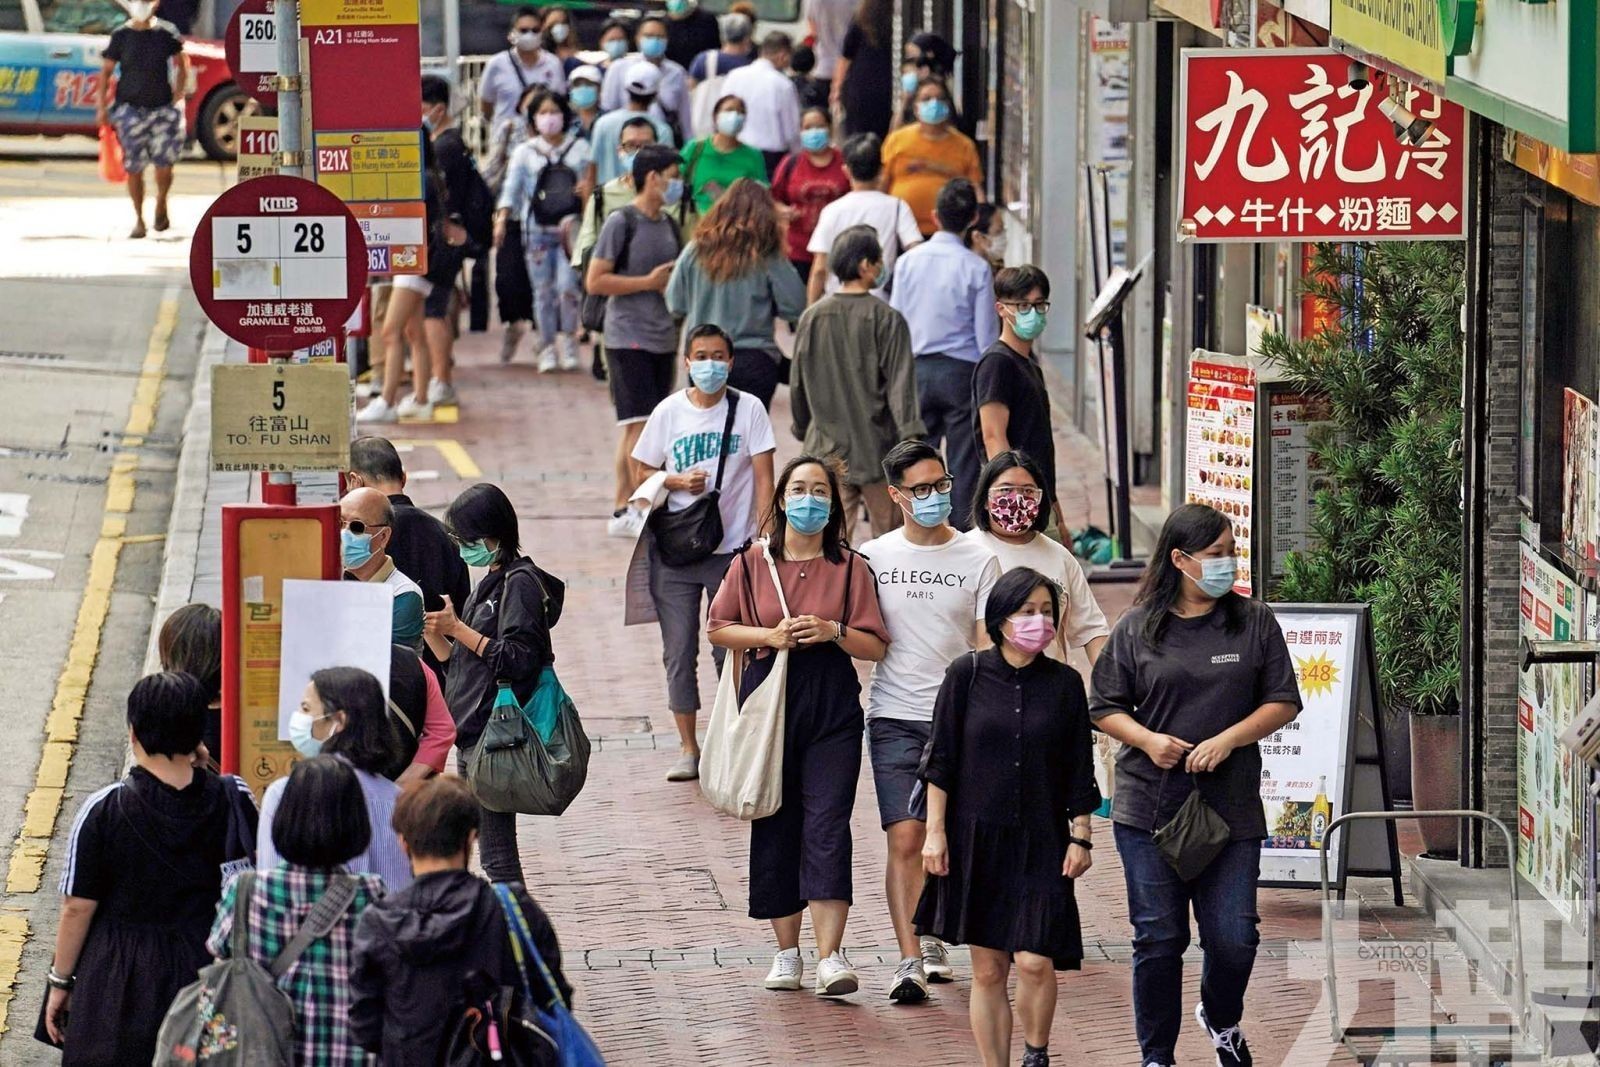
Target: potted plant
(1388,523)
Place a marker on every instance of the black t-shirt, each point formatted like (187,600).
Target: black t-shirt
(689,36)
(455,163)
(143,76)
(1197,682)
(868,89)
(1004,376)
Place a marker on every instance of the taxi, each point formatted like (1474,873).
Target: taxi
(50,54)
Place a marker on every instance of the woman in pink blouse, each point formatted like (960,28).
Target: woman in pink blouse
(800,855)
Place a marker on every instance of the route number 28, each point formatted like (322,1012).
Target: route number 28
(309,238)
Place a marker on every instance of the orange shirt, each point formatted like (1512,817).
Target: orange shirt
(916,167)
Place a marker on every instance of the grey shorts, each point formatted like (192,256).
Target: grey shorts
(896,748)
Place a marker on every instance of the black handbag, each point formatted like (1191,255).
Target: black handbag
(1194,837)
(691,535)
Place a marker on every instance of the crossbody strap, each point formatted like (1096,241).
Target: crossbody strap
(405,720)
(727,434)
(244,888)
(523,947)
(772,569)
(324,915)
(516,68)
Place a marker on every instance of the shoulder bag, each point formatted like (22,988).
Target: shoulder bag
(1195,836)
(741,763)
(688,536)
(574,1046)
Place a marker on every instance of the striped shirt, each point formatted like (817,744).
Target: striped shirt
(384,857)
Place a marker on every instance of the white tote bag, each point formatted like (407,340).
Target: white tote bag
(741,763)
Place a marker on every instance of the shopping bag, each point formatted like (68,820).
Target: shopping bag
(533,759)
(111,157)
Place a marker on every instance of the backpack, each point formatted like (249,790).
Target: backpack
(592,307)
(496,1026)
(234,1014)
(477,214)
(555,192)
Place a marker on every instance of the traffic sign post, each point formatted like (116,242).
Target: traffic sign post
(251,45)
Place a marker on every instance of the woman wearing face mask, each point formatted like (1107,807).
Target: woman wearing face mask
(547,211)
(712,164)
(808,181)
(343,713)
(616,41)
(501,634)
(561,39)
(1194,676)
(584,96)
(919,159)
(1010,779)
(863,78)
(987,235)
(827,615)
(735,274)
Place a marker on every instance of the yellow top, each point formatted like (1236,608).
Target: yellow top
(916,166)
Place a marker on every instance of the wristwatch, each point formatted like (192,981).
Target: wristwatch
(838,632)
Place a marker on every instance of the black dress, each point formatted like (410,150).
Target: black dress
(1011,748)
(152,857)
(868,90)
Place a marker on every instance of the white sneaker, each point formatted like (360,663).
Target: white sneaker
(629,525)
(508,343)
(547,359)
(441,393)
(567,352)
(787,970)
(936,961)
(910,985)
(835,976)
(410,409)
(376,410)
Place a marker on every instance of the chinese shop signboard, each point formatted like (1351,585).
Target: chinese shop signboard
(1277,146)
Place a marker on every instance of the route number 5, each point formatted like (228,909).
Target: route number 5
(278,399)
(245,244)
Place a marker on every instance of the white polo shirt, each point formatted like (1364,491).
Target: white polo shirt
(771,106)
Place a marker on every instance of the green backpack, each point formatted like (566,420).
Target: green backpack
(532,759)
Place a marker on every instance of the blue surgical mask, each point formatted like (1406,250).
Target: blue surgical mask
(730,122)
(709,375)
(677,7)
(585,96)
(355,548)
(815,139)
(806,514)
(616,48)
(933,111)
(476,553)
(559,32)
(300,736)
(653,47)
(1216,575)
(1028,324)
(908,82)
(626,159)
(674,192)
(931,510)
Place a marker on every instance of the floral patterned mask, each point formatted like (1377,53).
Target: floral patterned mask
(1013,513)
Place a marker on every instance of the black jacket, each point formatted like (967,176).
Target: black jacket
(514,607)
(421,548)
(416,951)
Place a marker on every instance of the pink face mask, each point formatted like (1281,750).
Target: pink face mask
(1032,633)
(548,123)
(1013,513)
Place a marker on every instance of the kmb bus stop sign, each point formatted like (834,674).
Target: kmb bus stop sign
(278,263)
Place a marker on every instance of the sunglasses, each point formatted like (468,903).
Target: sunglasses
(357,527)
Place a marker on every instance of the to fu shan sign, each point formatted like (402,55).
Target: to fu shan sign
(1277,146)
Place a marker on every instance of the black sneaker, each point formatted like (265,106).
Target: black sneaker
(1232,1051)
(1039,1057)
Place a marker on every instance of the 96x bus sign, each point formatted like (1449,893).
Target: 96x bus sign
(278,263)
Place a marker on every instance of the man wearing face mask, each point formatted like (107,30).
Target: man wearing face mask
(509,74)
(642,84)
(690,31)
(772,104)
(933,587)
(710,440)
(146,54)
(1010,403)
(672,95)
(367,526)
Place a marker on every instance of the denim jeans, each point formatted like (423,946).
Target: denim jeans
(944,395)
(1224,900)
(555,283)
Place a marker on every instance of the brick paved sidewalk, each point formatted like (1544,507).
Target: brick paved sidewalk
(647,885)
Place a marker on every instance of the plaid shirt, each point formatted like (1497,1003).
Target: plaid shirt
(318,984)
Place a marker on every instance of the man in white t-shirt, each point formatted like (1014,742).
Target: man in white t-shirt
(933,587)
(864,204)
(684,437)
(511,73)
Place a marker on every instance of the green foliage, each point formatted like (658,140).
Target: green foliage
(1389,522)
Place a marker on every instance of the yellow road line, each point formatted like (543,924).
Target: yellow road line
(43,806)
(450,451)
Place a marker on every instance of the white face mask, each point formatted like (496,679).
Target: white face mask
(141,10)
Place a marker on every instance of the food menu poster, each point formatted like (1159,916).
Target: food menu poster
(1580,464)
(1294,473)
(1550,777)
(1219,465)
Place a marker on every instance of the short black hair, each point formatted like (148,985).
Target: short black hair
(624,25)
(1010,592)
(707,329)
(321,821)
(368,738)
(483,510)
(634,123)
(907,454)
(803,59)
(1015,283)
(956,206)
(863,156)
(653,159)
(435,90)
(776,43)
(377,459)
(436,817)
(167,712)
(528,11)
(191,642)
(538,99)
(991,472)
(659,19)
(855,247)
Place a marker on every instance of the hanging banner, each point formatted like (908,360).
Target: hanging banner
(1276,145)
(1219,461)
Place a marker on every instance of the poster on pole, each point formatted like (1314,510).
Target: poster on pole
(331,624)
(1219,459)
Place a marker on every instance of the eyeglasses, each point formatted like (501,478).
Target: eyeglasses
(1041,306)
(796,492)
(927,489)
(1031,492)
(357,527)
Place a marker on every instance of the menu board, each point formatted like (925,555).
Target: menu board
(1292,473)
(1219,463)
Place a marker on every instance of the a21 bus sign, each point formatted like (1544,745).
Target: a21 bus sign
(1278,146)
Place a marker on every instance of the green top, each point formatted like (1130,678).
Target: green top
(708,172)
(744,306)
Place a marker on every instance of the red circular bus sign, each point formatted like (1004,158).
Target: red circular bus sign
(278,263)
(251,45)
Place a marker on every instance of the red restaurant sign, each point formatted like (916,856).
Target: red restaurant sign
(1277,146)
